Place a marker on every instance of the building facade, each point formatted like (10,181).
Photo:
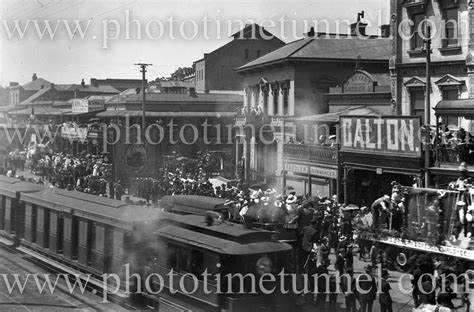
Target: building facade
(295,81)
(451,70)
(215,71)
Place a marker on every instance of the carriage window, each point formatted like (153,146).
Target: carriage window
(191,261)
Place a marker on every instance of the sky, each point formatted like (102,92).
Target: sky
(113,35)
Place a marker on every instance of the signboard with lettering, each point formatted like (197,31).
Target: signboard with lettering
(359,82)
(73,132)
(323,172)
(296,168)
(389,135)
(85,105)
(422,246)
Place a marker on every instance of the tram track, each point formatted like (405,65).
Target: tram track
(61,288)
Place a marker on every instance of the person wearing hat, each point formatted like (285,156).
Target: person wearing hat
(309,236)
(348,286)
(385,299)
(323,252)
(367,289)
(292,213)
(461,219)
(469,228)
(432,218)
(340,263)
(379,208)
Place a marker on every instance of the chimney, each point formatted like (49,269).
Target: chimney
(52,85)
(192,92)
(83,84)
(34,77)
(310,33)
(358,28)
(385,30)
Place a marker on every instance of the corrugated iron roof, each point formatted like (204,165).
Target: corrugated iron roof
(183,98)
(334,117)
(36,85)
(343,48)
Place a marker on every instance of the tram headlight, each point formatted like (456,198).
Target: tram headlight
(264,265)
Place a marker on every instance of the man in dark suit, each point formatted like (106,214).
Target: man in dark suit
(367,289)
(385,300)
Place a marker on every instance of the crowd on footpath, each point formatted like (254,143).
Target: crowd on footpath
(83,172)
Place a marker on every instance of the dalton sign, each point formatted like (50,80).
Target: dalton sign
(390,135)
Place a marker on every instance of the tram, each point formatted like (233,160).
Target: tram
(98,236)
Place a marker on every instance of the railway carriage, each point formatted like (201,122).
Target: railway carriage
(88,233)
(12,210)
(96,235)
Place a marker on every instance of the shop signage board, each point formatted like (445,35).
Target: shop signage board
(85,105)
(73,132)
(386,135)
(359,82)
(323,172)
(296,168)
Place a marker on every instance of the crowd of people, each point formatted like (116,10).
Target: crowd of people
(322,226)
(84,172)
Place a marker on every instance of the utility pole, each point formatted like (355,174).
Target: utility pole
(427,105)
(143,71)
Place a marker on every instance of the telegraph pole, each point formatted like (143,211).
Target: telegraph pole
(143,71)
(427,105)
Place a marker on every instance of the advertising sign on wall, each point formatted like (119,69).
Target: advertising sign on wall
(390,135)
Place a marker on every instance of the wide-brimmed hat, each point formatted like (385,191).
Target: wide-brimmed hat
(254,195)
(291,199)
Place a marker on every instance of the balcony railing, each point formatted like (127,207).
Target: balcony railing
(457,154)
(310,152)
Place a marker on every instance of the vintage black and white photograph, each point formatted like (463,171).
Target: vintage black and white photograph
(237,155)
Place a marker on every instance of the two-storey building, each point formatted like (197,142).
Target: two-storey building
(293,82)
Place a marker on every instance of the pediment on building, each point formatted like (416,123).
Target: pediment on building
(263,81)
(414,82)
(415,6)
(449,80)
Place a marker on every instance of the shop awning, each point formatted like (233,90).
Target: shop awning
(462,107)
(40,111)
(122,113)
(334,117)
(92,113)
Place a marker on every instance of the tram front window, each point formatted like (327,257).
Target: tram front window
(242,273)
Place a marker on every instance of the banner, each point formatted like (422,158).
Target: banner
(390,135)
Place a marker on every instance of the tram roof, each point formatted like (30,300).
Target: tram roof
(217,244)
(92,207)
(14,189)
(192,203)
(225,230)
(9,180)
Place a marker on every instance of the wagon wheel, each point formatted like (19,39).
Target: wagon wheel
(402,259)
